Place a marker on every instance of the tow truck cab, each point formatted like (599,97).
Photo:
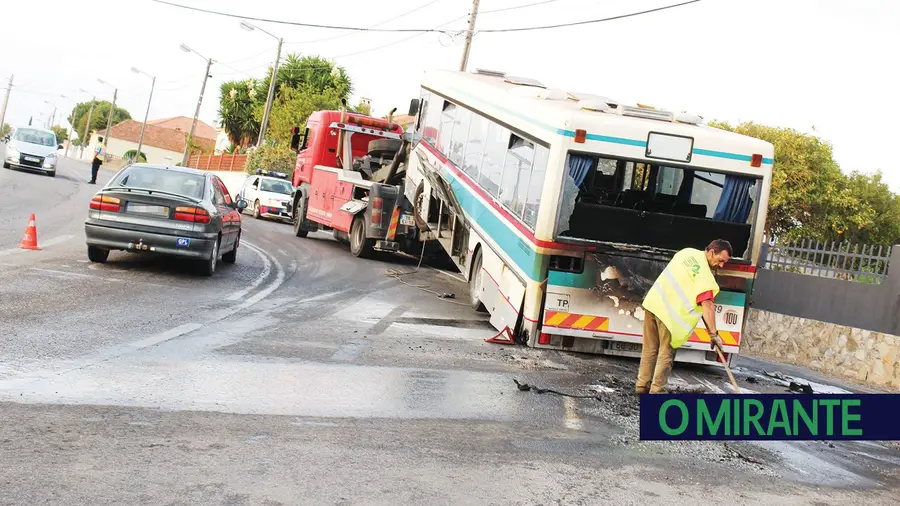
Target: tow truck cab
(349,169)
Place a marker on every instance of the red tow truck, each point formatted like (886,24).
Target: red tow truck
(348,178)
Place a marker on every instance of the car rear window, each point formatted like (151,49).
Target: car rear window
(151,178)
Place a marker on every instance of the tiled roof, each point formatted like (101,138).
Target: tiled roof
(159,137)
(203,130)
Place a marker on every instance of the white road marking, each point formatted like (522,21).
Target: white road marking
(162,337)
(42,244)
(267,268)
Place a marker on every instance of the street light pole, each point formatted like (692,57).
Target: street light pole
(146,114)
(270,97)
(6,101)
(190,139)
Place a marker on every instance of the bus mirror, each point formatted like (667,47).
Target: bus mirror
(414,107)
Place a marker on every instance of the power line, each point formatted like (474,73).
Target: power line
(588,22)
(430,30)
(376,25)
(295,23)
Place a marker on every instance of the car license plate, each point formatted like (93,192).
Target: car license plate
(407,219)
(32,159)
(146,209)
(182,242)
(633,347)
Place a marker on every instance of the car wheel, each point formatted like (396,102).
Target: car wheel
(256,210)
(360,246)
(299,216)
(231,256)
(476,284)
(52,174)
(97,255)
(5,165)
(209,265)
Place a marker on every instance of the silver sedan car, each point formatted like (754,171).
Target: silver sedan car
(173,211)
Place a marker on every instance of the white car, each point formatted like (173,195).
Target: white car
(267,196)
(32,148)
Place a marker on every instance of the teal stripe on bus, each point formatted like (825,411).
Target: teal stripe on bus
(526,259)
(730,298)
(613,140)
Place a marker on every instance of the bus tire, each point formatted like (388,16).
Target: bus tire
(418,201)
(476,284)
(360,246)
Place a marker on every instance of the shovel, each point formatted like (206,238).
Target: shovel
(734,384)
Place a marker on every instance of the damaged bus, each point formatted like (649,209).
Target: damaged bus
(561,208)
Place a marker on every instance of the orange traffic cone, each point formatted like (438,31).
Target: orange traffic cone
(30,239)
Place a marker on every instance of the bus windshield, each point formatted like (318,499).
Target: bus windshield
(616,200)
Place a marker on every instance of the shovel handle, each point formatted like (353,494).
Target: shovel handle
(718,348)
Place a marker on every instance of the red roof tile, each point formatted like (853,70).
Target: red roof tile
(203,130)
(159,137)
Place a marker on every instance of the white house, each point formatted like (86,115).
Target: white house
(161,144)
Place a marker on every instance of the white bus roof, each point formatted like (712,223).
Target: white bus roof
(546,114)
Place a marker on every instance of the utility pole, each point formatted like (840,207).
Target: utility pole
(265,121)
(6,101)
(469,32)
(146,114)
(112,112)
(87,126)
(190,139)
(71,130)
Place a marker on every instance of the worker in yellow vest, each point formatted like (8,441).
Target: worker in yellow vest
(99,155)
(681,295)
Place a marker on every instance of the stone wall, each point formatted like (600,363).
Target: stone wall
(864,356)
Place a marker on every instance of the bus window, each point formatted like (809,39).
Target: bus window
(657,206)
(516,172)
(445,133)
(478,132)
(535,185)
(432,119)
(494,155)
(460,135)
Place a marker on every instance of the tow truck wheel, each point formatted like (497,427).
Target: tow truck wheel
(476,283)
(360,246)
(299,215)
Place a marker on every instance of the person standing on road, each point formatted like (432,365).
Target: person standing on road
(99,155)
(672,308)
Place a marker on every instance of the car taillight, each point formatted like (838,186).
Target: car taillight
(192,214)
(105,203)
(377,206)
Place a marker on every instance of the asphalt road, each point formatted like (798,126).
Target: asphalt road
(301,375)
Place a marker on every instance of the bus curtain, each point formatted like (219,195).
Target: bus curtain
(734,204)
(578,168)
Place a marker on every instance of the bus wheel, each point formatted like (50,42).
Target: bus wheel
(476,284)
(360,246)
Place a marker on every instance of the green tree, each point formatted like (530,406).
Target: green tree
(272,157)
(131,154)
(98,118)
(810,196)
(62,134)
(236,105)
(293,107)
(5,129)
(361,108)
(885,206)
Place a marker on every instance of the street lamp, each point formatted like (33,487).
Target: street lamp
(146,114)
(112,111)
(209,62)
(265,122)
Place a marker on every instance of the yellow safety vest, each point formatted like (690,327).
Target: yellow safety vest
(100,152)
(673,297)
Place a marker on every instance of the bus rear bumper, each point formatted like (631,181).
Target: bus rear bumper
(630,346)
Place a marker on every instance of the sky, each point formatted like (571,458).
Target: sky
(825,67)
